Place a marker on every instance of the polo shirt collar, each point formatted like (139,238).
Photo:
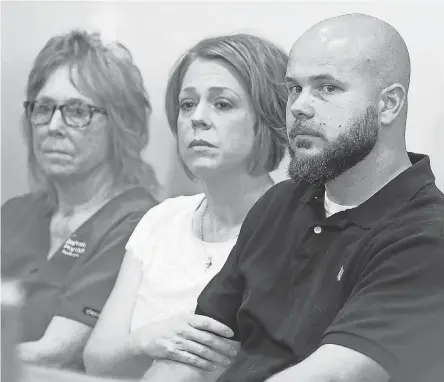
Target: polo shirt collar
(395,193)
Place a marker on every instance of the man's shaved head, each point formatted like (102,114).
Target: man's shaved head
(367,44)
(347,78)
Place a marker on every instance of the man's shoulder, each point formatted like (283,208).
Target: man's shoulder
(425,211)
(425,206)
(282,193)
(418,223)
(278,200)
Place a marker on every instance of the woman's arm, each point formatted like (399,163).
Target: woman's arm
(108,350)
(61,345)
(178,372)
(113,350)
(35,373)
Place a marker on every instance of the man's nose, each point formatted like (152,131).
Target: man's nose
(302,105)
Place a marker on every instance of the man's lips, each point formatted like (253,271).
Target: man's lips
(301,133)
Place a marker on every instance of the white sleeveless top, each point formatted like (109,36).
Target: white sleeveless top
(174,261)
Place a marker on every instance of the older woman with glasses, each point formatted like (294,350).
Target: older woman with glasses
(85,125)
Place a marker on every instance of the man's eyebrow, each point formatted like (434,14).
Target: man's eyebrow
(323,77)
(315,78)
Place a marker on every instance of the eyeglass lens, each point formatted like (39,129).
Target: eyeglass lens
(73,114)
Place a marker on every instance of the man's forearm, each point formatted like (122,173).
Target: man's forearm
(333,363)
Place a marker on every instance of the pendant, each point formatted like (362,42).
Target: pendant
(209,262)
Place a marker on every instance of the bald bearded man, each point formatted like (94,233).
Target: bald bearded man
(337,273)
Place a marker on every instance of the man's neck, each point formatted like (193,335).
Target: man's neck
(231,196)
(359,183)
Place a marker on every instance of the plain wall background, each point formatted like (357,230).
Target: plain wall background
(157,33)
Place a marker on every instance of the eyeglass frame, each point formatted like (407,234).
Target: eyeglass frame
(92,110)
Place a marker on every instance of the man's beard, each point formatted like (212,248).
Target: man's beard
(351,147)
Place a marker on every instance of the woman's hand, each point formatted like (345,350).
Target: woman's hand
(195,340)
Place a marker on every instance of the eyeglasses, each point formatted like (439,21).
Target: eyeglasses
(74,115)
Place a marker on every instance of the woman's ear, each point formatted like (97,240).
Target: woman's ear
(391,102)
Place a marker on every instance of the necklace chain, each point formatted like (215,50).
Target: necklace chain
(202,220)
(209,262)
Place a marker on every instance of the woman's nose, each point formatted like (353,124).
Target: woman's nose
(56,124)
(200,117)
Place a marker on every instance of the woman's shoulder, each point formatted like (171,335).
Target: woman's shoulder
(170,209)
(177,204)
(182,202)
(135,199)
(171,214)
(29,202)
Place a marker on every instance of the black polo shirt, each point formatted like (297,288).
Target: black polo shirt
(370,278)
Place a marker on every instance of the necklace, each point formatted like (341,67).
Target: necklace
(209,262)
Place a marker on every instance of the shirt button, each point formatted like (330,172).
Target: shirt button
(317,229)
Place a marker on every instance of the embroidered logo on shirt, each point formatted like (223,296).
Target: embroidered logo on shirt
(341,272)
(91,312)
(74,248)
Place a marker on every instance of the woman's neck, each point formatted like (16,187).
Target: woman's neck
(82,194)
(228,200)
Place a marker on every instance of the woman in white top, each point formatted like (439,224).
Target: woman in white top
(225,104)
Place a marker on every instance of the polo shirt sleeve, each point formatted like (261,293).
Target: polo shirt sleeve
(90,285)
(395,311)
(222,296)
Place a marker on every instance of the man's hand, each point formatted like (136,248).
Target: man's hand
(190,339)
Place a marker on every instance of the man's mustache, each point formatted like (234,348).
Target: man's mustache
(298,128)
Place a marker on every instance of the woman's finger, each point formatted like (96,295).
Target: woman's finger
(204,352)
(212,341)
(210,325)
(192,360)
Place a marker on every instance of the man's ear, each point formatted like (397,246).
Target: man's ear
(391,102)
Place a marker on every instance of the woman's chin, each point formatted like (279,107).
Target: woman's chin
(58,172)
(207,171)
(204,171)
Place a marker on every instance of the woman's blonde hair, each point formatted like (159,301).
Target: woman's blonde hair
(106,74)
